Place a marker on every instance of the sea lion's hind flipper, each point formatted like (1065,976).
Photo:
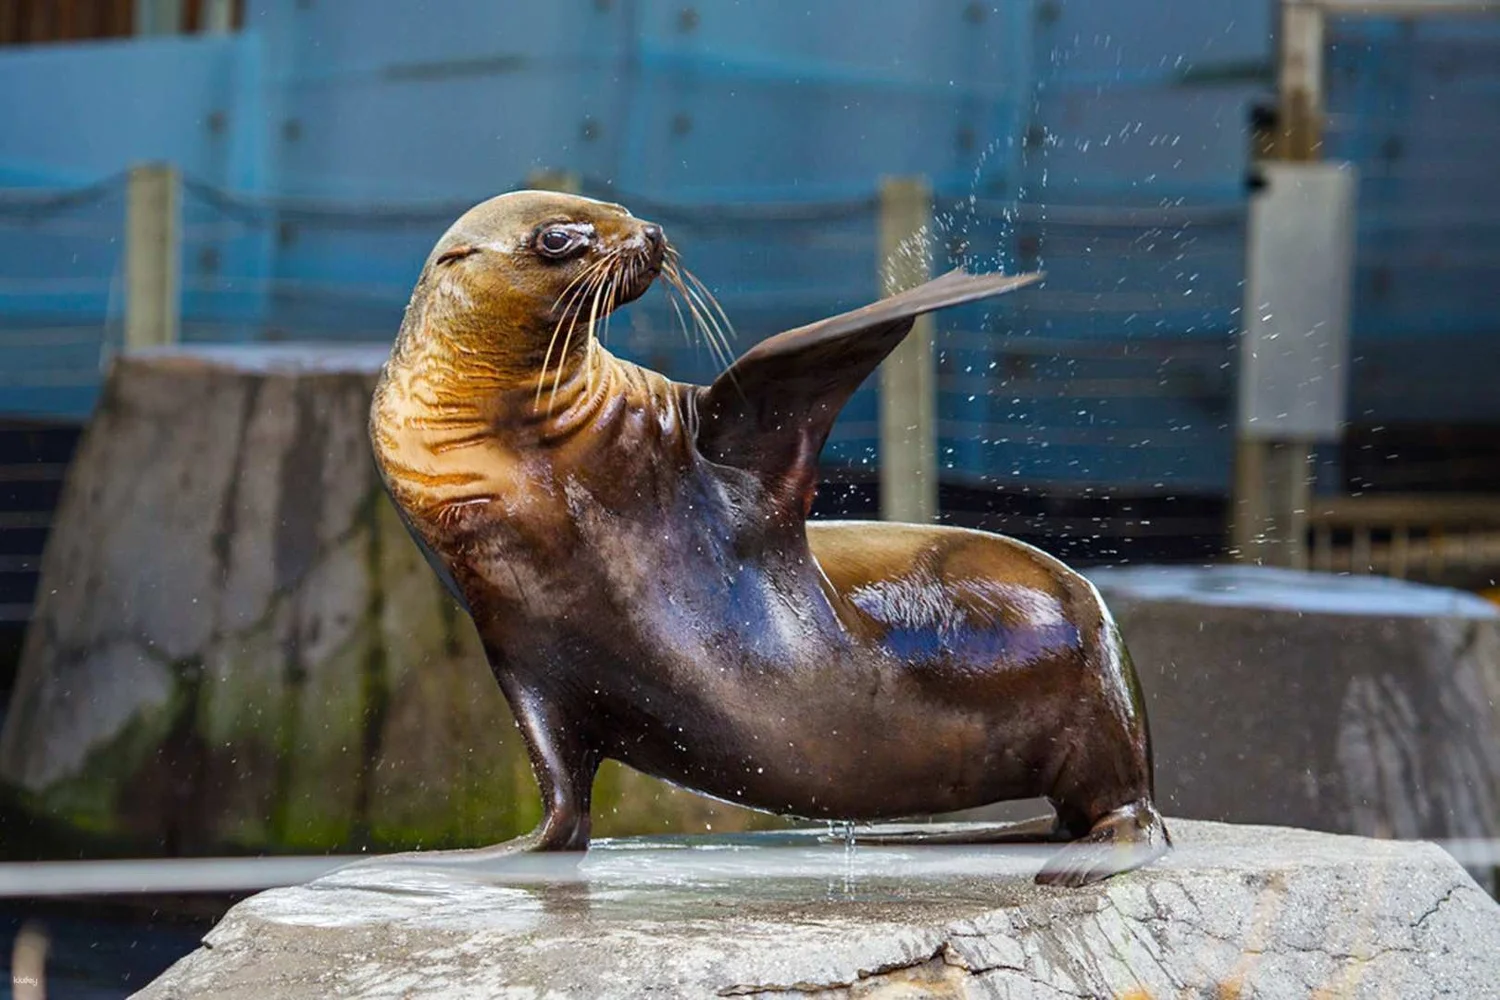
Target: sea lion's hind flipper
(1038,830)
(1119,841)
(771,411)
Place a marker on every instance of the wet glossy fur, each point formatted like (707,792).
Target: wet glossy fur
(635,555)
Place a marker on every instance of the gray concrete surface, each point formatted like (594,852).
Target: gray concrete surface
(1356,705)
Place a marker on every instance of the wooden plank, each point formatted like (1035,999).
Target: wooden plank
(1431,555)
(1414,510)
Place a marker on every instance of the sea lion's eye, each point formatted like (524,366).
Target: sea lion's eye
(557,242)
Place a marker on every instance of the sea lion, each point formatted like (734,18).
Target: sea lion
(636,556)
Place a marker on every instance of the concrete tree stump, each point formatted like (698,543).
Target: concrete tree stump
(1349,704)
(237,646)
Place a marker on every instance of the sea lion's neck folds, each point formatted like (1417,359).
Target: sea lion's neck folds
(449,436)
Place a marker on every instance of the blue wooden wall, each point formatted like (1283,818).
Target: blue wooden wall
(328,144)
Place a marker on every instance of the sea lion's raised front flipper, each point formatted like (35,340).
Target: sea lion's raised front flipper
(771,410)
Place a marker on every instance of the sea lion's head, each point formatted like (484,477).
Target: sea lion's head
(525,265)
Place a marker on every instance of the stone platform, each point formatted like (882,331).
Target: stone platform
(1234,912)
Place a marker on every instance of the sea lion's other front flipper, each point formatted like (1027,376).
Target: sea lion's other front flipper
(771,410)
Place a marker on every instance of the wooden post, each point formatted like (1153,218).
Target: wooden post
(1273,491)
(1299,136)
(1268,508)
(563,181)
(152,257)
(218,17)
(908,378)
(158,17)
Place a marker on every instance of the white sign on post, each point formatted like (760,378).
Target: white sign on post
(1294,349)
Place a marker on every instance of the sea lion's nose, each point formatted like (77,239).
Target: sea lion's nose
(653,234)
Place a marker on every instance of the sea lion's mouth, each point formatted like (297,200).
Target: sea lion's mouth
(640,272)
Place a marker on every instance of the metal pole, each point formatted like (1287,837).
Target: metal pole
(152,257)
(908,378)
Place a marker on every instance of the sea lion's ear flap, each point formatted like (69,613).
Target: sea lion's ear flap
(771,410)
(456,253)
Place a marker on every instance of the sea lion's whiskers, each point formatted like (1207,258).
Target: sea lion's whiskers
(598,287)
(578,278)
(567,315)
(699,326)
(588,272)
(670,278)
(674,281)
(681,320)
(576,286)
(717,308)
(719,347)
(583,282)
(712,332)
(595,288)
(609,311)
(621,278)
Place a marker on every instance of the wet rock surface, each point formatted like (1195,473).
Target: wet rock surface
(1235,911)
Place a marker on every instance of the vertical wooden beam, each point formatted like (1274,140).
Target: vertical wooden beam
(1273,492)
(1268,508)
(546,179)
(1249,503)
(1293,490)
(216,16)
(158,17)
(152,256)
(1300,81)
(908,378)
